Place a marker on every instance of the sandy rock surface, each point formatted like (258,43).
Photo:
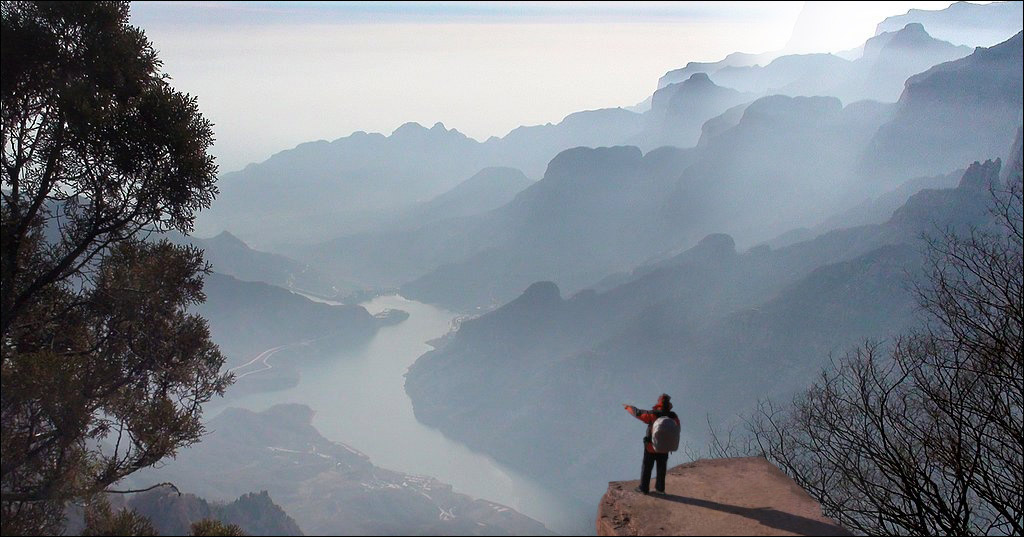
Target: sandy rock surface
(738,496)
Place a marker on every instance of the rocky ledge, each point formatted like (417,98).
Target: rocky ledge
(739,496)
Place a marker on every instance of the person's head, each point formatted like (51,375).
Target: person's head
(665,402)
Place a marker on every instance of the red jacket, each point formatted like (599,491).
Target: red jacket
(649,417)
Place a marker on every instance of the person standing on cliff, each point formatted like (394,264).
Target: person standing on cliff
(661,439)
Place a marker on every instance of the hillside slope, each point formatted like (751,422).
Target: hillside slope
(327,487)
(713,327)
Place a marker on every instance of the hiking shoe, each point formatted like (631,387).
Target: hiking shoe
(641,491)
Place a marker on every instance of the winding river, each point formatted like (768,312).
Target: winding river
(359,398)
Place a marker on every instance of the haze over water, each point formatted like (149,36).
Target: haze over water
(360,400)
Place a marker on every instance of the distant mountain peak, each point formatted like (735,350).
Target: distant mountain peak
(699,77)
(982,176)
(962,23)
(408,128)
(578,118)
(915,27)
(696,92)
(699,84)
(718,243)
(414,130)
(735,59)
(227,238)
(540,293)
(955,112)
(568,163)
(913,34)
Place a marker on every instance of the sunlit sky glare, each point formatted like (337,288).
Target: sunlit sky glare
(272,75)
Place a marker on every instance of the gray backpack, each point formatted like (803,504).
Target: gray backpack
(665,435)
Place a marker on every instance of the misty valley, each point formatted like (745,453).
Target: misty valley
(423,333)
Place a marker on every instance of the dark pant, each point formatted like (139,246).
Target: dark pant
(645,474)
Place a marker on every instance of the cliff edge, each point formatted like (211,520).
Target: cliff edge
(738,496)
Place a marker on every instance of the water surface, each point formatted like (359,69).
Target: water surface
(359,399)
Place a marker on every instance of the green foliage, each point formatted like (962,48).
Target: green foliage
(104,370)
(100,519)
(93,139)
(211,527)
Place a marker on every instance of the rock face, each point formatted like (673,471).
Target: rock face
(954,113)
(700,326)
(964,23)
(740,496)
(678,111)
(596,211)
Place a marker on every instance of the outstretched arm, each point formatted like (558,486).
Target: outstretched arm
(645,416)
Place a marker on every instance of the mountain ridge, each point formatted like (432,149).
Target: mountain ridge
(688,326)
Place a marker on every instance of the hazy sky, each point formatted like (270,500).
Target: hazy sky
(271,75)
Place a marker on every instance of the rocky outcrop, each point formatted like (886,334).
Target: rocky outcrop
(739,496)
(964,23)
(736,59)
(982,176)
(951,114)
(679,110)
(173,514)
